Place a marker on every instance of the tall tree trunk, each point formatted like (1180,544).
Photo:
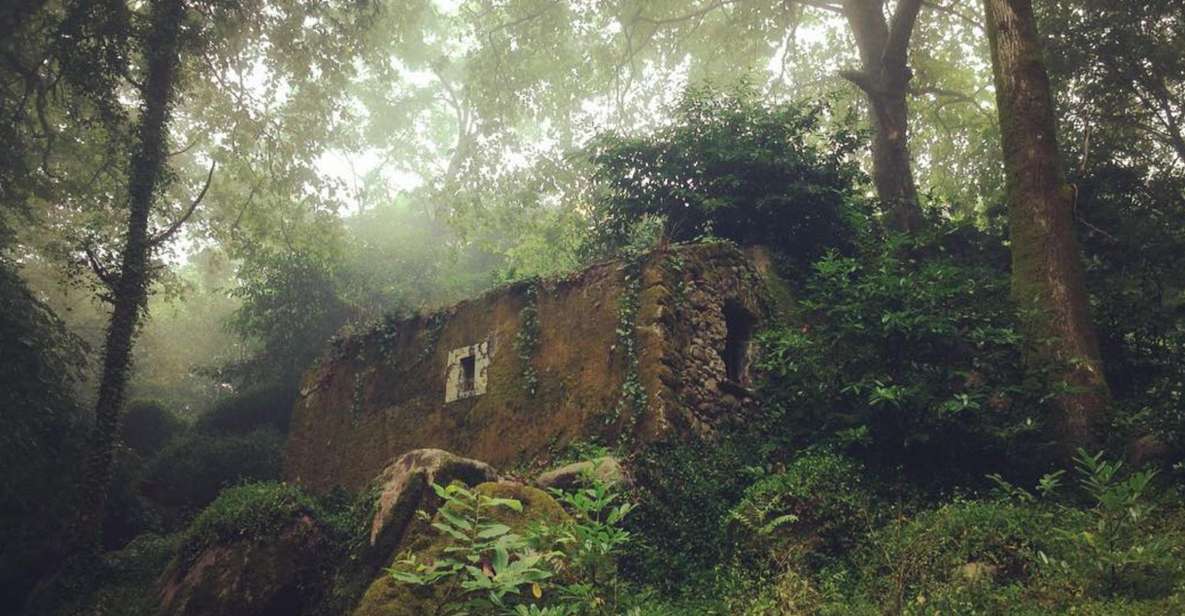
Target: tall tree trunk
(1047,276)
(130,287)
(884,78)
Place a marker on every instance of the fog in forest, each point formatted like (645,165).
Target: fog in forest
(837,307)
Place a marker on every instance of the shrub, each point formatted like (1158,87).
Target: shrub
(960,543)
(916,346)
(257,408)
(189,472)
(733,166)
(42,434)
(1115,546)
(252,510)
(816,508)
(146,427)
(684,492)
(121,582)
(548,567)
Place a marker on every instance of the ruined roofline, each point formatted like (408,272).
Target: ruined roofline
(340,344)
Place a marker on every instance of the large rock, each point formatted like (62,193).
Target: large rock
(406,486)
(248,577)
(387,597)
(605,470)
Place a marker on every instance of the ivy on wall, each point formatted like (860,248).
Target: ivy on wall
(526,341)
(633,396)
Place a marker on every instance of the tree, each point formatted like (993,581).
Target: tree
(884,78)
(129,286)
(1047,274)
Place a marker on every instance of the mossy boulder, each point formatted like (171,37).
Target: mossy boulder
(405,486)
(258,550)
(606,470)
(387,597)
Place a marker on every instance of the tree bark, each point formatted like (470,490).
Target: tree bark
(1047,275)
(884,78)
(130,290)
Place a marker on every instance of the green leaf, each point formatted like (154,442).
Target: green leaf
(493,530)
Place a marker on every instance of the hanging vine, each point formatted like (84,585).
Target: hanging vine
(526,341)
(632,401)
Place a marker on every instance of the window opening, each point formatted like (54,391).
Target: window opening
(468,374)
(738,324)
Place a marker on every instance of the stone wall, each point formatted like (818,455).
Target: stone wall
(630,350)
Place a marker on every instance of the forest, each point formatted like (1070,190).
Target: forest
(234,232)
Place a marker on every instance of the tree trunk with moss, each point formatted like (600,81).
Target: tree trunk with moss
(1047,274)
(884,78)
(131,282)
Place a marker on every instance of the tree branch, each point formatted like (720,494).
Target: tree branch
(104,275)
(950,10)
(900,30)
(861,80)
(160,238)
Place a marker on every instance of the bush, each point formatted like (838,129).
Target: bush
(816,509)
(684,492)
(128,513)
(42,434)
(122,582)
(190,471)
(733,166)
(146,427)
(257,408)
(252,510)
(914,344)
(961,544)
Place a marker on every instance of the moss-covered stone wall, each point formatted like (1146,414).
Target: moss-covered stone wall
(624,350)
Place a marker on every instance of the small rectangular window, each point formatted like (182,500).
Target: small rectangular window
(468,373)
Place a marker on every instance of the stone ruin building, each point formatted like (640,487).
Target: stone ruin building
(641,349)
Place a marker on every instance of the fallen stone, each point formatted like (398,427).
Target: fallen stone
(606,470)
(248,577)
(406,486)
(388,597)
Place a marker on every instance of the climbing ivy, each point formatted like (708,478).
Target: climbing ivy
(526,341)
(633,397)
(432,329)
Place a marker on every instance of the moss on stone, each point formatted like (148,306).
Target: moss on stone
(387,597)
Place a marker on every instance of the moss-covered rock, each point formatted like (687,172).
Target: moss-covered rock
(257,550)
(387,597)
(405,486)
(606,470)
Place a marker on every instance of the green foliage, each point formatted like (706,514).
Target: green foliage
(942,554)
(913,341)
(733,166)
(486,567)
(685,492)
(1115,546)
(42,432)
(632,401)
(291,305)
(190,471)
(591,543)
(253,510)
(258,407)
(526,341)
(121,582)
(146,426)
(812,510)
(551,568)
